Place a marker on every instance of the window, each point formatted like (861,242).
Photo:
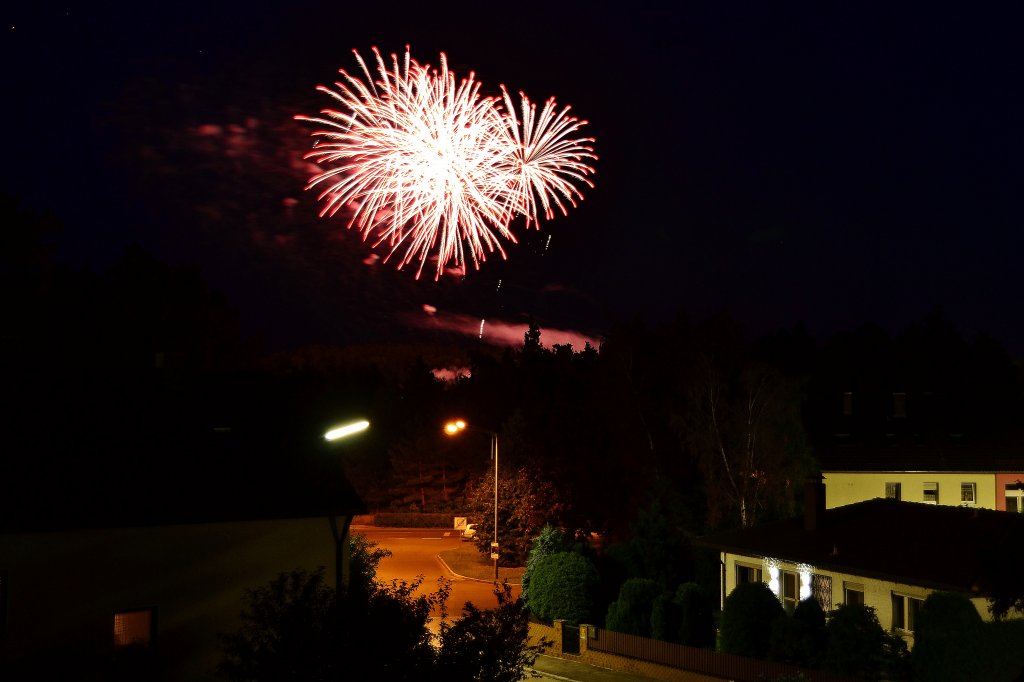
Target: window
(904,612)
(899,405)
(790,591)
(821,589)
(1015,497)
(748,574)
(931,493)
(892,491)
(853,593)
(134,627)
(967,494)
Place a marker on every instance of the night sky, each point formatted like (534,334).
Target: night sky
(786,165)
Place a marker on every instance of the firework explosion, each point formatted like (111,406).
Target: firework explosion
(428,164)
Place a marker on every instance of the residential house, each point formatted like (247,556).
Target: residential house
(136,571)
(990,476)
(883,553)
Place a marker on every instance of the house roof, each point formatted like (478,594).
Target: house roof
(158,457)
(941,547)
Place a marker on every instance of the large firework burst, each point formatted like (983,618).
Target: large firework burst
(427,163)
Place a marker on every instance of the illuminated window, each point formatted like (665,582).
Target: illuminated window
(931,493)
(904,612)
(899,405)
(748,574)
(790,591)
(892,491)
(1015,497)
(134,627)
(853,594)
(968,494)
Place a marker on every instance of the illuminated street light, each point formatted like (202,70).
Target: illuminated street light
(340,535)
(452,428)
(346,430)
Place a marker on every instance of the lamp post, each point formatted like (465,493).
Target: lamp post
(341,549)
(452,428)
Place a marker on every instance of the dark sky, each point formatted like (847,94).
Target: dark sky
(786,165)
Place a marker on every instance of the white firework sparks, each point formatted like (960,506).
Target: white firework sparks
(428,164)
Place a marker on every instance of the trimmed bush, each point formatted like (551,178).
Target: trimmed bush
(549,541)
(631,612)
(562,586)
(748,615)
(696,616)
(856,642)
(665,617)
(800,639)
(947,639)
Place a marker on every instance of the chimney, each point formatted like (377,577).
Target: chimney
(814,502)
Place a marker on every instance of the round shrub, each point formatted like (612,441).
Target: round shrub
(696,617)
(747,618)
(856,642)
(631,612)
(562,586)
(800,639)
(947,639)
(549,541)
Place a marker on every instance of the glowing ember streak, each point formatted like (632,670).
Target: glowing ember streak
(427,164)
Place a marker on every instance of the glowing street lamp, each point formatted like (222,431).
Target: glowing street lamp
(340,536)
(346,430)
(454,427)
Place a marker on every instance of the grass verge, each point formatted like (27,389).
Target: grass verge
(469,562)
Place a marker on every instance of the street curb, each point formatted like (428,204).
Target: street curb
(552,675)
(466,577)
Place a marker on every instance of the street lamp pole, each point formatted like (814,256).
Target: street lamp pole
(452,428)
(340,535)
(494,442)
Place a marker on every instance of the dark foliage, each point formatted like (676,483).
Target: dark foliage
(856,642)
(488,645)
(747,618)
(665,617)
(562,586)
(697,621)
(800,639)
(549,541)
(286,632)
(631,612)
(947,639)
(526,503)
(297,628)
(660,547)
(1002,651)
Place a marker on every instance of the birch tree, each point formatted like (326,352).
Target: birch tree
(743,426)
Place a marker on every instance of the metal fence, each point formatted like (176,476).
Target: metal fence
(705,661)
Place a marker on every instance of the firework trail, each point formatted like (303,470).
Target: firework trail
(428,164)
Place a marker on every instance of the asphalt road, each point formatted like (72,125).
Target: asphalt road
(414,553)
